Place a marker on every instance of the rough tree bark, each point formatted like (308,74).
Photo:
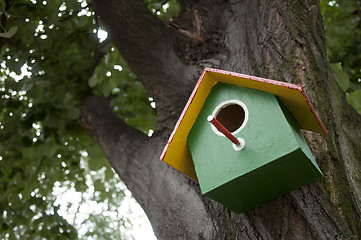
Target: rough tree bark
(281,40)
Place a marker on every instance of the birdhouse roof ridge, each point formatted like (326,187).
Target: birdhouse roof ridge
(176,152)
(254,78)
(321,128)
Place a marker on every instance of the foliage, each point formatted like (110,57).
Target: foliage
(105,81)
(354,99)
(49,50)
(343,29)
(341,76)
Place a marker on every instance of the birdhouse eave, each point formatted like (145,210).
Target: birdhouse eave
(176,152)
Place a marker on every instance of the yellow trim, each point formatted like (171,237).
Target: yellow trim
(178,155)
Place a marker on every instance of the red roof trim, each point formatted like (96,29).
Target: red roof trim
(259,79)
(274,82)
(313,111)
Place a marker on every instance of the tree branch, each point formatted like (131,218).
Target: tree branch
(106,127)
(120,143)
(145,44)
(99,53)
(154,184)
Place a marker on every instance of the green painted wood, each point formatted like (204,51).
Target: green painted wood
(274,161)
(266,183)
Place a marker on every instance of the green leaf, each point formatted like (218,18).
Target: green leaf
(53,120)
(26,85)
(10,83)
(18,179)
(156,5)
(104,194)
(82,21)
(174,8)
(98,185)
(26,31)
(109,174)
(30,152)
(354,99)
(341,76)
(94,80)
(80,186)
(37,237)
(67,98)
(73,113)
(9,33)
(96,158)
(106,90)
(95,164)
(50,149)
(26,141)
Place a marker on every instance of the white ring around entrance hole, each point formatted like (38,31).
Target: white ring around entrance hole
(225,104)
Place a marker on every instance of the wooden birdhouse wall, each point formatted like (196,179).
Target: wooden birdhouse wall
(274,161)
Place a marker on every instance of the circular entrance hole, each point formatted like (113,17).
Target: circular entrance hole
(231,116)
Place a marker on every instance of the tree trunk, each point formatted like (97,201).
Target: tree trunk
(281,40)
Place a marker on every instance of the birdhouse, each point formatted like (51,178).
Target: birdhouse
(239,137)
